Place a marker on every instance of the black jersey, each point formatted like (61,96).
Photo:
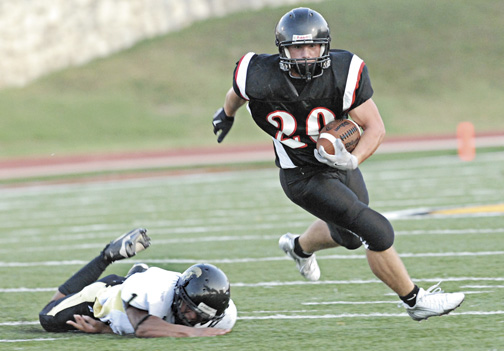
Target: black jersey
(293,111)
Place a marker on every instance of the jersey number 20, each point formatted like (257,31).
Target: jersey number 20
(287,126)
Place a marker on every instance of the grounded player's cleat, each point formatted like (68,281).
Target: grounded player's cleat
(434,302)
(308,267)
(127,245)
(137,268)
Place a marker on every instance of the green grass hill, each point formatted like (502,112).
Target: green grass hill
(432,65)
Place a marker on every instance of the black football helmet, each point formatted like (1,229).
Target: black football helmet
(204,289)
(303,26)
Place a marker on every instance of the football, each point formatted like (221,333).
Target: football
(347,130)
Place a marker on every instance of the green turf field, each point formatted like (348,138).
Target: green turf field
(234,220)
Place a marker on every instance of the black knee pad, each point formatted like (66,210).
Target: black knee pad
(374,229)
(383,241)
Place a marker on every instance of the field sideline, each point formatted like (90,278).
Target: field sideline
(234,219)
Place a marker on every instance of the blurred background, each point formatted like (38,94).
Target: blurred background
(101,76)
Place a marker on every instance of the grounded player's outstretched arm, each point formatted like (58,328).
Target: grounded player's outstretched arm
(149,326)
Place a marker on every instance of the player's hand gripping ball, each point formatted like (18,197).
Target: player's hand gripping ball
(345,129)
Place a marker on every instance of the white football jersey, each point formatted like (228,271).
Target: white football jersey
(151,291)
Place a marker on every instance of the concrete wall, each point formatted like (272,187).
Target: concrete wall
(40,36)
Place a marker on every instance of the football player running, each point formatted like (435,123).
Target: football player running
(291,96)
(148,302)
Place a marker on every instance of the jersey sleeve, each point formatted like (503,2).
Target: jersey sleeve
(240,75)
(358,87)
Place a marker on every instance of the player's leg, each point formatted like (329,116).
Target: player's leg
(78,293)
(319,235)
(327,197)
(56,313)
(127,245)
(340,200)
(389,268)
(419,303)
(332,196)
(316,237)
(351,221)
(386,264)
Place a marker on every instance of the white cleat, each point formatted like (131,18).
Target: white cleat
(434,302)
(308,267)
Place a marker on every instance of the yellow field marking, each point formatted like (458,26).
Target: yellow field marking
(499,208)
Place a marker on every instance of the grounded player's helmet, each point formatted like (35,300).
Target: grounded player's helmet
(204,289)
(303,26)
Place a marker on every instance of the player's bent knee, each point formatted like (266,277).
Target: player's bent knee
(352,244)
(52,322)
(54,316)
(384,243)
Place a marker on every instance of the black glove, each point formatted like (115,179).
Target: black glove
(222,124)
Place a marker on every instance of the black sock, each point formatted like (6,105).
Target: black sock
(298,250)
(85,276)
(410,299)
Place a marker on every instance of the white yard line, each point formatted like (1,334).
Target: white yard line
(89,233)
(250,260)
(29,340)
(280,316)
(320,282)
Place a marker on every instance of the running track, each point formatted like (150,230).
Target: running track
(30,167)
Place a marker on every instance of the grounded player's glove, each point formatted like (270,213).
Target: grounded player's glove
(222,123)
(341,159)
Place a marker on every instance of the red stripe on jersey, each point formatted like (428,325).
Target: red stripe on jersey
(352,82)
(241,74)
(358,81)
(238,67)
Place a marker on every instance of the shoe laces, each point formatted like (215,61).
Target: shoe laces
(435,289)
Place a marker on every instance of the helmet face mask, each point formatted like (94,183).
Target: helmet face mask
(202,295)
(184,306)
(303,26)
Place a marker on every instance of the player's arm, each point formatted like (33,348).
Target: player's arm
(232,102)
(368,117)
(224,117)
(149,326)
